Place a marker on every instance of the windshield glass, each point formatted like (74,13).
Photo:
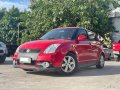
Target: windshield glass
(66,33)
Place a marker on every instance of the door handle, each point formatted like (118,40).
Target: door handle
(93,43)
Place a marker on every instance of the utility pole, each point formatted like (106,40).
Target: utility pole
(18,34)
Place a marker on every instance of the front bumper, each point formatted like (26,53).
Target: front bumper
(54,59)
(116,52)
(36,68)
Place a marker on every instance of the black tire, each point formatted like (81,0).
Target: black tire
(73,64)
(109,58)
(101,62)
(2,59)
(118,58)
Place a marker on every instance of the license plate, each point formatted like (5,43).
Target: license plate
(25,60)
(116,52)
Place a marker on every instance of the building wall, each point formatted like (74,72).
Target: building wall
(116,34)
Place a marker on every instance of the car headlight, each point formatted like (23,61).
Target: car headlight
(52,48)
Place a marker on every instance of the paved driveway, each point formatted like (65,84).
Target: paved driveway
(90,78)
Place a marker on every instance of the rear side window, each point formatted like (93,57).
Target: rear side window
(0,45)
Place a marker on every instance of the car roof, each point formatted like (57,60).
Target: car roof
(72,28)
(66,27)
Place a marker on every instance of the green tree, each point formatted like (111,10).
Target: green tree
(9,21)
(48,14)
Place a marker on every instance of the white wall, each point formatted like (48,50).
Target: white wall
(116,23)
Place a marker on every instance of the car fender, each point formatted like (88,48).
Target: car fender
(67,48)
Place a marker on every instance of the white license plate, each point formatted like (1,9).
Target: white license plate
(25,60)
(116,52)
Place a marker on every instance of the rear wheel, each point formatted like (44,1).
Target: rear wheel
(101,62)
(69,64)
(109,57)
(2,59)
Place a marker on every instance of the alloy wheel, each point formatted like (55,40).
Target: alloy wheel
(68,64)
(102,61)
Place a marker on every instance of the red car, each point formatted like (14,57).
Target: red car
(116,49)
(61,49)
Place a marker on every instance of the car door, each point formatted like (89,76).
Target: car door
(95,44)
(83,48)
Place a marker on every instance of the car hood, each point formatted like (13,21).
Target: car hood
(42,43)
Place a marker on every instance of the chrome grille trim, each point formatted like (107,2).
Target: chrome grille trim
(29,50)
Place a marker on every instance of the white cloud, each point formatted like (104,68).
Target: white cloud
(8,5)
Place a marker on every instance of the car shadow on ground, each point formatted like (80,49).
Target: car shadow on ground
(90,71)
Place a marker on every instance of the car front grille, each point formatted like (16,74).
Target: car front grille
(29,50)
(1,51)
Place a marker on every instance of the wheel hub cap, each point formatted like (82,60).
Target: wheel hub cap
(68,64)
(102,61)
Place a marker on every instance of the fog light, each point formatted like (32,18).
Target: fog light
(44,64)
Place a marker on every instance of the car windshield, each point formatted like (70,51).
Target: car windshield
(66,33)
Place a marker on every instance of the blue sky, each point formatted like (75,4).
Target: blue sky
(21,4)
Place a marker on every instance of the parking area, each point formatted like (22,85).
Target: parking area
(90,78)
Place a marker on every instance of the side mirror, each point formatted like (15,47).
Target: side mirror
(82,38)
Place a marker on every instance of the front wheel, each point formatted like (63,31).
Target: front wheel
(69,64)
(101,62)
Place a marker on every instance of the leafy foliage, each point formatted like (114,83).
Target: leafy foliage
(48,14)
(9,21)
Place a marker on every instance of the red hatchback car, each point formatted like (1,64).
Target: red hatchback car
(62,49)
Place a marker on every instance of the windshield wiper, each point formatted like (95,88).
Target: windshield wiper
(51,38)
